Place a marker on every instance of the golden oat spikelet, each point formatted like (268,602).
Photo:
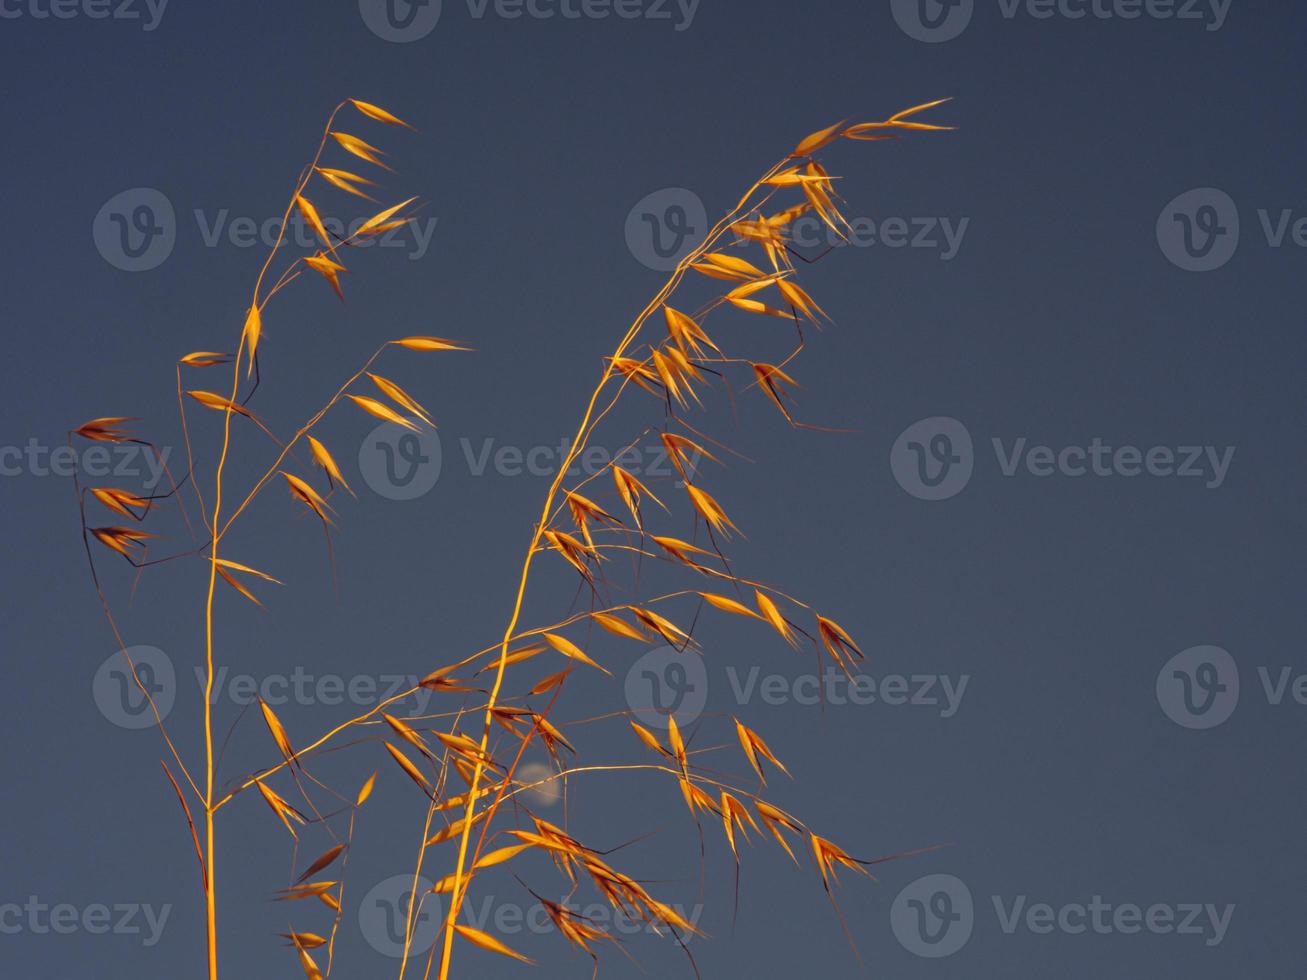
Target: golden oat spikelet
(328,269)
(108,429)
(308,496)
(776,819)
(365,790)
(410,770)
(735,816)
(771,612)
(346,181)
(309,940)
(204,358)
(570,650)
(400,397)
(429,344)
(127,541)
(661,625)
(710,510)
(727,604)
(631,490)
(311,217)
(384,412)
(719,265)
(648,738)
(284,811)
(380,222)
(679,451)
(619,627)
(121,501)
(219,404)
(324,459)
(837,642)
(225,569)
(324,861)
(754,746)
(359,148)
(277,730)
(830,857)
(823,137)
(484,940)
(378,113)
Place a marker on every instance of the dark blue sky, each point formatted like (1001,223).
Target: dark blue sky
(1069,344)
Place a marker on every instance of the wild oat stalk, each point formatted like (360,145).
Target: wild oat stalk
(574,526)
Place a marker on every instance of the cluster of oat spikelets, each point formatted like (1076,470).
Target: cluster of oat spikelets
(464,775)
